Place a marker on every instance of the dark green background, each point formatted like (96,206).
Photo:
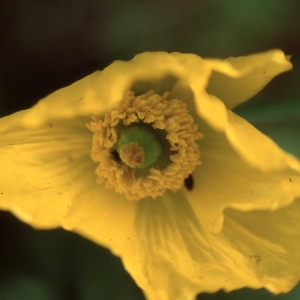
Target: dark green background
(45,45)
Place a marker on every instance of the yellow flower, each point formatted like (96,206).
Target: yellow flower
(224,216)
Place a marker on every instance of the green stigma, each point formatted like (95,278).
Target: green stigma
(146,139)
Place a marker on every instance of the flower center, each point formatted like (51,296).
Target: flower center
(145,145)
(138,147)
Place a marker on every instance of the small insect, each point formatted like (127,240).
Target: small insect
(189,182)
(115,156)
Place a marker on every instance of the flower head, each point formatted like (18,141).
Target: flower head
(146,158)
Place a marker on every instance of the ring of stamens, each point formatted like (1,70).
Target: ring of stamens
(170,122)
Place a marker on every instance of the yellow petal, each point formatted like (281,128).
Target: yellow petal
(103,216)
(227,179)
(47,180)
(254,73)
(41,168)
(161,72)
(177,259)
(92,95)
(172,253)
(98,92)
(269,243)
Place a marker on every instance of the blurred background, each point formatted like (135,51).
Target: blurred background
(48,44)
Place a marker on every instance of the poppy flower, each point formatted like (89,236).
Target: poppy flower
(147,159)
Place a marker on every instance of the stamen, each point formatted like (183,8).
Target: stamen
(145,145)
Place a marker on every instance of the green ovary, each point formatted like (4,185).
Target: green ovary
(146,139)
